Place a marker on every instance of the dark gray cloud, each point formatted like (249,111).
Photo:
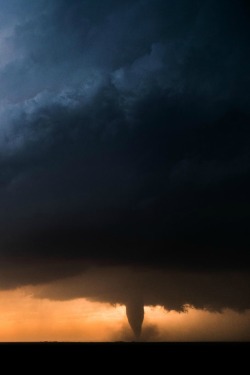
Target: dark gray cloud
(125,132)
(135,287)
(175,290)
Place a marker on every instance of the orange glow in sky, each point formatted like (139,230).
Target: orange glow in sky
(25,318)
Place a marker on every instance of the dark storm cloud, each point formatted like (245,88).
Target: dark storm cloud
(125,132)
(175,290)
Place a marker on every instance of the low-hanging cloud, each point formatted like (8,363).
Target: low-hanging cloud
(174,290)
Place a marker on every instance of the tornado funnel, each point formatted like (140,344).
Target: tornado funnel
(135,315)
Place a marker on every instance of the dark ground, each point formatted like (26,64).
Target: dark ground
(126,358)
(161,348)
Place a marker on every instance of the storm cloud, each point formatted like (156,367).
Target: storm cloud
(124,135)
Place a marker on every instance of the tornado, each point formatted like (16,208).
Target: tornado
(135,314)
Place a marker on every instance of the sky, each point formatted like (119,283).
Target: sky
(125,166)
